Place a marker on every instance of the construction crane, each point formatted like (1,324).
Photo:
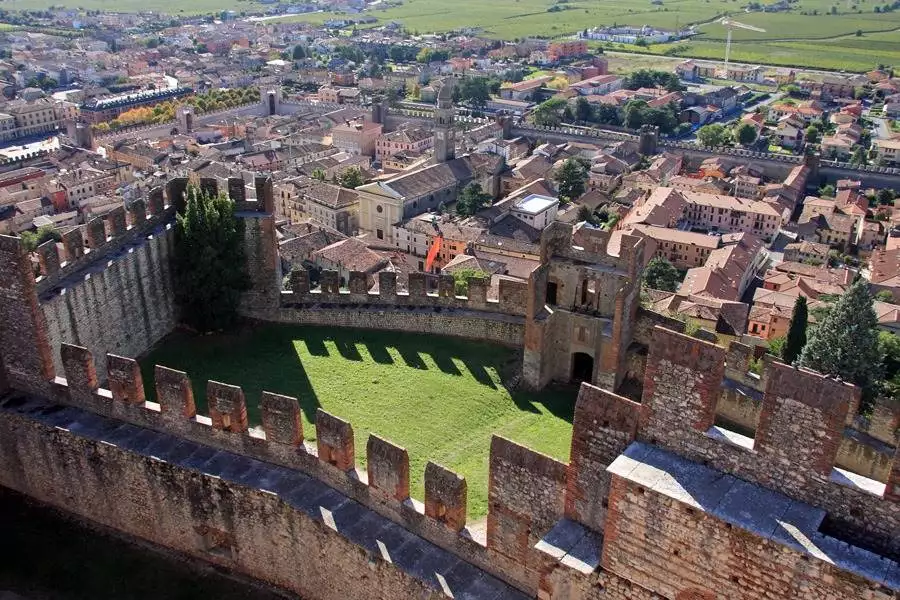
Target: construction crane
(730,24)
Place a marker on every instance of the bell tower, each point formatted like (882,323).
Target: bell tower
(444,132)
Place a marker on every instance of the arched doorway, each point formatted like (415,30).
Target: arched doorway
(582,367)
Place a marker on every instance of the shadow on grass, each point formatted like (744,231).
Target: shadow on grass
(266,358)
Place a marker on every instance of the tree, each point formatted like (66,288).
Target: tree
(318,174)
(859,156)
(571,179)
(745,134)
(826,191)
(550,113)
(711,136)
(299,52)
(885,196)
(471,200)
(209,263)
(584,112)
(885,296)
(351,178)
(461,279)
(796,336)
(661,275)
(44,233)
(845,342)
(812,134)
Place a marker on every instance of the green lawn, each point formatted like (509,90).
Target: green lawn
(441,398)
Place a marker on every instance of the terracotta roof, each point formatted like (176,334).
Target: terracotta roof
(351,254)
(332,196)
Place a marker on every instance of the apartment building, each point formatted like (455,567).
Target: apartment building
(728,214)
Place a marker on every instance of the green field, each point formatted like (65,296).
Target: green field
(441,398)
(133,6)
(816,39)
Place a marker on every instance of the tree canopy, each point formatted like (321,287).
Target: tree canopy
(461,279)
(571,178)
(471,199)
(845,342)
(209,261)
(550,113)
(351,178)
(796,336)
(660,274)
(745,134)
(712,136)
(44,233)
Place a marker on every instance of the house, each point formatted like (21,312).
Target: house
(731,214)
(332,205)
(523,90)
(789,132)
(728,270)
(599,85)
(684,249)
(409,139)
(557,51)
(806,251)
(884,272)
(349,255)
(804,111)
(888,151)
(357,137)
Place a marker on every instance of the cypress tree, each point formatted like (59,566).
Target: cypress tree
(209,261)
(796,336)
(845,343)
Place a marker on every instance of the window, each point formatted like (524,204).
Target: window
(380,234)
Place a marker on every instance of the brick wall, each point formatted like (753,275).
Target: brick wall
(679,552)
(300,541)
(801,425)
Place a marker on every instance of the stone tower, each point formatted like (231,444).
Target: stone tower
(444,133)
(581,307)
(648,139)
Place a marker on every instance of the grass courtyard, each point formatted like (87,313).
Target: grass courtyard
(441,398)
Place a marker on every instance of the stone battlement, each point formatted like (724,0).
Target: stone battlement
(530,494)
(795,446)
(511,301)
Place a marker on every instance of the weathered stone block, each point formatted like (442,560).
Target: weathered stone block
(125,381)
(300,281)
(156,202)
(387,285)
(137,213)
(209,186)
(446,286)
(227,407)
(174,394)
(237,190)
(281,419)
(417,285)
(96,233)
(358,283)
(116,221)
(388,467)
(477,291)
(446,496)
(603,426)
(330,282)
(74,245)
(78,364)
(334,440)
(48,258)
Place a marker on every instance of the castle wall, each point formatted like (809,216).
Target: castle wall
(268,523)
(796,444)
(486,327)
(701,539)
(121,307)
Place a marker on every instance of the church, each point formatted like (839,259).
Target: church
(385,203)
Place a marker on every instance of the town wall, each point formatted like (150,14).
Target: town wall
(291,532)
